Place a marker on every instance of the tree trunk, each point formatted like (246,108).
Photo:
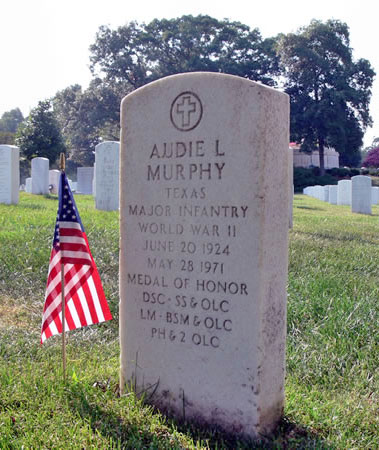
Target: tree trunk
(321,155)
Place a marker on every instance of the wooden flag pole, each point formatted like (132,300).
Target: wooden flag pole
(62,167)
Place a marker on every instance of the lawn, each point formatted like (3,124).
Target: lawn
(332,346)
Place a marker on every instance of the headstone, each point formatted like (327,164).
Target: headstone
(361,194)
(85,179)
(204,248)
(9,174)
(40,176)
(107,156)
(94,179)
(54,181)
(28,185)
(344,192)
(319,192)
(333,194)
(291,186)
(325,193)
(374,195)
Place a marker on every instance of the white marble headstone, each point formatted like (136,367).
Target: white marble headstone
(344,192)
(54,176)
(361,194)
(9,174)
(40,175)
(333,194)
(28,185)
(374,195)
(325,193)
(85,180)
(107,155)
(204,248)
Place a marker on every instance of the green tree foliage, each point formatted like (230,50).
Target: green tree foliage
(330,92)
(7,138)
(88,117)
(10,120)
(40,135)
(138,53)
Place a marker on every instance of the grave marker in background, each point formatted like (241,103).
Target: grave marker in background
(9,174)
(361,194)
(333,189)
(28,185)
(344,192)
(40,176)
(54,180)
(85,180)
(204,247)
(107,156)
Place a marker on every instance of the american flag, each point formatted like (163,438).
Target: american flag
(85,302)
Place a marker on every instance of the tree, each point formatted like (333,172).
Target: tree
(40,135)
(10,120)
(88,117)
(372,158)
(7,138)
(329,92)
(138,54)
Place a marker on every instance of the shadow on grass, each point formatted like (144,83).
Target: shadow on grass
(32,206)
(341,238)
(131,429)
(50,197)
(310,207)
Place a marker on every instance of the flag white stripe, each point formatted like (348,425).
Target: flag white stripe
(74,314)
(52,307)
(53,284)
(84,304)
(72,240)
(71,225)
(76,278)
(53,328)
(95,297)
(78,255)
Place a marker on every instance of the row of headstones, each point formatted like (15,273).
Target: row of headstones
(357,193)
(102,179)
(39,186)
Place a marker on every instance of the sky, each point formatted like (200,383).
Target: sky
(44,44)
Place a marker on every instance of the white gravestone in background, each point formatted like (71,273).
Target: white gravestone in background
(325,194)
(28,185)
(333,194)
(374,195)
(291,186)
(40,176)
(344,192)
(361,194)
(204,248)
(9,174)
(107,156)
(54,180)
(94,179)
(85,180)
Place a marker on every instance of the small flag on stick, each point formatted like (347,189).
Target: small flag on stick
(85,302)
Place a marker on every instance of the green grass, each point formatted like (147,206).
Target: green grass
(332,345)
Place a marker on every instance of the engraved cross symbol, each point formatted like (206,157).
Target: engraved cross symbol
(185,109)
